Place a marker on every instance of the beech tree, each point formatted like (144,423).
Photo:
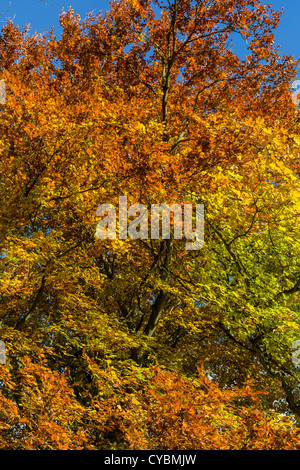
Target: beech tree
(133,343)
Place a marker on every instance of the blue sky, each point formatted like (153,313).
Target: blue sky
(42,16)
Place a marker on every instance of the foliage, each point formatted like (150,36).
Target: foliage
(141,344)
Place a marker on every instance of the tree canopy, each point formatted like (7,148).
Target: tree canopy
(142,344)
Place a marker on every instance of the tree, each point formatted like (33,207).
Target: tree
(149,101)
